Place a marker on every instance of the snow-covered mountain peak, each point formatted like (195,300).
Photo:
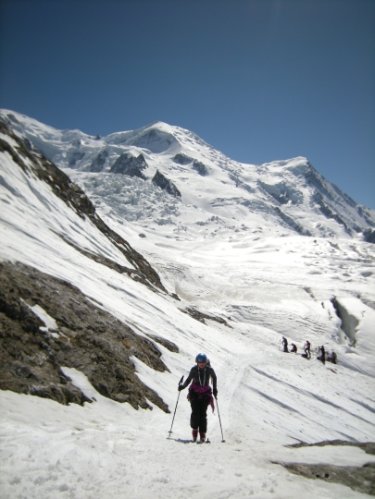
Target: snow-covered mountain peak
(298,162)
(155,139)
(159,137)
(163,126)
(204,191)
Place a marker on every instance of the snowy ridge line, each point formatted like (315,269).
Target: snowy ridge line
(288,194)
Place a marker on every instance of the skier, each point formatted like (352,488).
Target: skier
(200,394)
(332,357)
(284,343)
(322,354)
(293,348)
(307,350)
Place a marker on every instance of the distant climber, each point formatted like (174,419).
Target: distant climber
(322,354)
(307,350)
(332,357)
(284,344)
(200,394)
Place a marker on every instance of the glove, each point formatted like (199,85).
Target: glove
(180,387)
(214,391)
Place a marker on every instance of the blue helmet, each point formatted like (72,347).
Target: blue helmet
(201,357)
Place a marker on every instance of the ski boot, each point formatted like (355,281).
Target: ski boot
(195,435)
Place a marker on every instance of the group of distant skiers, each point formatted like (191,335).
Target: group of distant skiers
(322,355)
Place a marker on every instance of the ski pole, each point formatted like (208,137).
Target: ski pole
(175,409)
(218,413)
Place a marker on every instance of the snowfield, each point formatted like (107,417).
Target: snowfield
(264,285)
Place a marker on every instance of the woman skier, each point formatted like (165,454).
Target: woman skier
(200,394)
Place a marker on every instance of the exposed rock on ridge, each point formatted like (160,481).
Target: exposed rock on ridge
(360,478)
(128,164)
(161,181)
(87,338)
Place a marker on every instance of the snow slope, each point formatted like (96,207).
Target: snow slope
(264,284)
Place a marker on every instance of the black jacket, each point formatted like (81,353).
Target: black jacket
(201,377)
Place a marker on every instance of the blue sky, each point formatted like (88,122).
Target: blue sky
(258,79)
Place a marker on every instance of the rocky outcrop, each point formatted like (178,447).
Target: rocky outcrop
(203,317)
(359,478)
(182,159)
(198,166)
(167,185)
(130,165)
(86,338)
(99,162)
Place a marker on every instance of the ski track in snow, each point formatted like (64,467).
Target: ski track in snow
(102,450)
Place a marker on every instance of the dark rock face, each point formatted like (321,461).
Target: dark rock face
(87,338)
(130,165)
(169,345)
(99,162)
(202,317)
(198,166)
(182,159)
(359,478)
(161,181)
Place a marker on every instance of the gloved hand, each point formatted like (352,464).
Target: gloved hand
(180,387)
(214,391)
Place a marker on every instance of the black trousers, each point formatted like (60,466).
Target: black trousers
(198,419)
